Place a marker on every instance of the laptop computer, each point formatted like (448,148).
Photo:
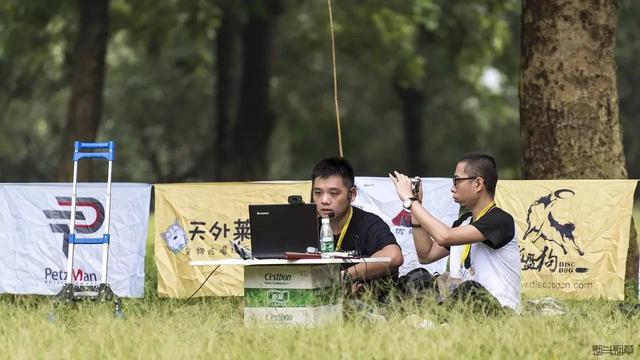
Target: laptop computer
(276,229)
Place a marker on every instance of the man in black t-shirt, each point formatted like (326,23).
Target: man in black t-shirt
(332,190)
(490,261)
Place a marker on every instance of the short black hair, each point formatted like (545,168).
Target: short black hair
(478,164)
(334,166)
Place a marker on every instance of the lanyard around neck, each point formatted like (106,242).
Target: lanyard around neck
(486,209)
(467,247)
(343,232)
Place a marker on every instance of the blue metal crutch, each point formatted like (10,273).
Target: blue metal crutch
(103,291)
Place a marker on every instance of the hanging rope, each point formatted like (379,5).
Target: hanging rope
(335,80)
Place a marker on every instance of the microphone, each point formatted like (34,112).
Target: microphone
(331,215)
(244,253)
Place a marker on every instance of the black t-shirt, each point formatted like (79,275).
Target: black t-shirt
(496,226)
(367,233)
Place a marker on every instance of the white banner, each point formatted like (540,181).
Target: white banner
(378,195)
(34,219)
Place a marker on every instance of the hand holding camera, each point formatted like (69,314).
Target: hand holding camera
(407,187)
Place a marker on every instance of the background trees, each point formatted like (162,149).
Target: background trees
(420,82)
(224,90)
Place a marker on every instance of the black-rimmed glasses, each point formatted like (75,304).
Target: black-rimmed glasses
(456,179)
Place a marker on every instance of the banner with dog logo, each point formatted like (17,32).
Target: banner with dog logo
(35,221)
(574,235)
(378,195)
(198,222)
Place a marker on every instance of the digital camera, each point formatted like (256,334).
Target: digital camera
(415,185)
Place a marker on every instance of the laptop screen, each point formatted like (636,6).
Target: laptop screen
(276,229)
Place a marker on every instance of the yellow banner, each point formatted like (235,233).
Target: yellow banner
(574,235)
(197,221)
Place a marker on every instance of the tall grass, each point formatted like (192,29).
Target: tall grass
(157,328)
(213,328)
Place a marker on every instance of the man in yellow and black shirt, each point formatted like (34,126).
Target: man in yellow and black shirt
(491,260)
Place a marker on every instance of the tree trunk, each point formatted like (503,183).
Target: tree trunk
(568,93)
(228,70)
(256,120)
(631,272)
(88,68)
(412,100)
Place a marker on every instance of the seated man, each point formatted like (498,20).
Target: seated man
(333,189)
(491,260)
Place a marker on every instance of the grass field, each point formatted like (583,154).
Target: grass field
(157,328)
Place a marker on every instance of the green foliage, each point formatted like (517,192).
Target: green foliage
(436,46)
(161,84)
(33,40)
(159,87)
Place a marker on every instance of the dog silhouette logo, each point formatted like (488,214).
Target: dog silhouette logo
(545,222)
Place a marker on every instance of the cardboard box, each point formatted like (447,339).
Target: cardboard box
(292,316)
(291,276)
